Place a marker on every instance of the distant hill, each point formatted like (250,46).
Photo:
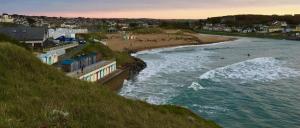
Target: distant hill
(244,20)
(33,94)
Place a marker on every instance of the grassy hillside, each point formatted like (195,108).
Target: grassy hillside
(4,38)
(33,94)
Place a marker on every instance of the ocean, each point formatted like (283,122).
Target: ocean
(246,83)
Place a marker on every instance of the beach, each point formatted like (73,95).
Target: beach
(152,41)
(168,39)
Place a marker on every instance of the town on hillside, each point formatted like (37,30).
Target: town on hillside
(279,27)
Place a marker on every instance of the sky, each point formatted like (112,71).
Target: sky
(159,9)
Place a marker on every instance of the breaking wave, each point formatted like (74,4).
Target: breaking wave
(259,69)
(152,85)
(196,86)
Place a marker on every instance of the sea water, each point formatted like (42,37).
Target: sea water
(246,83)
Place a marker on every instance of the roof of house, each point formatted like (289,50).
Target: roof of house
(25,33)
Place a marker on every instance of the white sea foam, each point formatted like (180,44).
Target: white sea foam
(156,100)
(148,91)
(196,86)
(259,69)
(159,63)
(151,86)
(208,109)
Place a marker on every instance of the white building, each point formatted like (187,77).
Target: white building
(68,25)
(5,18)
(55,33)
(297,29)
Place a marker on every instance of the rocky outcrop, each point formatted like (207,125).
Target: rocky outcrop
(136,67)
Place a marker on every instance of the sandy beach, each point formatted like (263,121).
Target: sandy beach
(167,39)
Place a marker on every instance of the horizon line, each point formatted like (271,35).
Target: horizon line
(37,15)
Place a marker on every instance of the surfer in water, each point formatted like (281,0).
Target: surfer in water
(249,55)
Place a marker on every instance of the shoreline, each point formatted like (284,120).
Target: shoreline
(250,35)
(115,84)
(178,45)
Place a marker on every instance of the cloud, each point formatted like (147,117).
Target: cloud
(109,6)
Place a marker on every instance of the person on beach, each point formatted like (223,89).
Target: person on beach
(82,67)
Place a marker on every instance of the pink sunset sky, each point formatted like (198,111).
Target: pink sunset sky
(167,9)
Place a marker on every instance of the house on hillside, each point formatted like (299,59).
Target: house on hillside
(274,28)
(208,27)
(297,29)
(68,25)
(247,30)
(5,18)
(35,36)
(278,26)
(262,28)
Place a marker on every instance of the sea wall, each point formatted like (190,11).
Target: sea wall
(128,72)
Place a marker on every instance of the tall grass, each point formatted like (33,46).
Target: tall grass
(33,94)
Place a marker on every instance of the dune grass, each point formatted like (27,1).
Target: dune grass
(33,94)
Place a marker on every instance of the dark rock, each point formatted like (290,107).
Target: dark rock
(136,67)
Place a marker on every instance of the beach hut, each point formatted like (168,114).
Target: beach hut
(70,65)
(48,58)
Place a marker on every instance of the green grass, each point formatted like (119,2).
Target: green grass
(91,36)
(4,38)
(33,94)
